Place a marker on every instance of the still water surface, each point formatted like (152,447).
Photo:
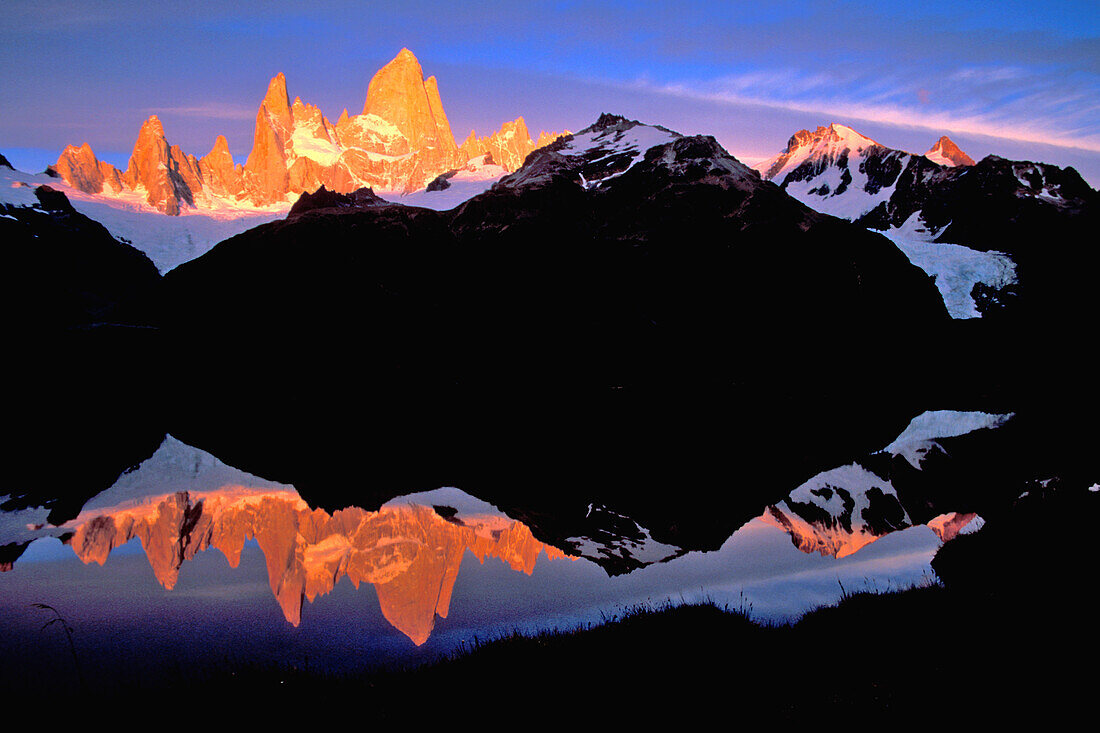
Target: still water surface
(188,562)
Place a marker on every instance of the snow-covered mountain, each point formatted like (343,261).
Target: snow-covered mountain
(399,143)
(607,150)
(949,214)
(836,170)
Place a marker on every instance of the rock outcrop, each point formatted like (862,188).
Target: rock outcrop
(323,198)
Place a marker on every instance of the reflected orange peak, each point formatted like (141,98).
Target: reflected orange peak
(409,553)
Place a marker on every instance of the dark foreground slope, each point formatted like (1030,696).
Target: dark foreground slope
(570,271)
(73,376)
(63,270)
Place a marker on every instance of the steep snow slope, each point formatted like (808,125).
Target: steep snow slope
(167,240)
(451,189)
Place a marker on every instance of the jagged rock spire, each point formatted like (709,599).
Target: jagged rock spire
(399,94)
(166,174)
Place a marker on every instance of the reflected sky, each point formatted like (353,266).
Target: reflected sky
(120,610)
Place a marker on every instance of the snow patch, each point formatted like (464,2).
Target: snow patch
(449,496)
(973,526)
(854,201)
(306,143)
(642,548)
(476,177)
(635,141)
(373,124)
(939,158)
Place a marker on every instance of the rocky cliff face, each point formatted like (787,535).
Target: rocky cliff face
(265,170)
(84,171)
(400,142)
(409,553)
(399,94)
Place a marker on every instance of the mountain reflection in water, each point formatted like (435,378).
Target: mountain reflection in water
(182,501)
(409,552)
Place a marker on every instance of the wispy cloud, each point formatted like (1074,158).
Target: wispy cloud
(1026,105)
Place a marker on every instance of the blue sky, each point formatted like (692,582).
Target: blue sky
(1019,79)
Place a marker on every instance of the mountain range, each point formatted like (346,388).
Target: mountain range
(991,234)
(838,171)
(400,142)
(971,227)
